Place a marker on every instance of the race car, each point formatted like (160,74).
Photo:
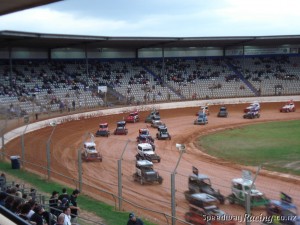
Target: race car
(157,123)
(252,114)
(145,137)
(121,128)
(204,109)
(288,107)
(255,106)
(132,117)
(103,130)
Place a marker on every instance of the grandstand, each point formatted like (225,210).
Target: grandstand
(42,86)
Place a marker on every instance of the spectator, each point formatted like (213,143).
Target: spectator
(9,200)
(3,196)
(67,215)
(54,203)
(73,105)
(32,204)
(32,193)
(60,219)
(73,205)
(63,195)
(36,217)
(64,203)
(48,217)
(2,179)
(15,208)
(24,210)
(133,220)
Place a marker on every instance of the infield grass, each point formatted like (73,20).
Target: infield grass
(276,145)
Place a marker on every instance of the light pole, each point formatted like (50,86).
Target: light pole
(3,130)
(248,198)
(181,149)
(53,125)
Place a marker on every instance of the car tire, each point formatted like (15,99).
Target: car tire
(231,199)
(160,180)
(222,200)
(188,216)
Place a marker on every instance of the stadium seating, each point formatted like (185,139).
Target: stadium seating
(41,86)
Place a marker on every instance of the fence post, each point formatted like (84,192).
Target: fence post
(120,177)
(79,170)
(3,147)
(53,124)
(181,149)
(26,121)
(2,139)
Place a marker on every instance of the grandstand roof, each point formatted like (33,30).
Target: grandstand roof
(52,41)
(10,6)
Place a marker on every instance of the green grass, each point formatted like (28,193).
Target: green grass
(274,144)
(86,203)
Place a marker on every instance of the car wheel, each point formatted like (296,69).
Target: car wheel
(188,216)
(160,180)
(222,200)
(231,199)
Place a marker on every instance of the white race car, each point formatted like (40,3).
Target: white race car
(288,107)
(255,106)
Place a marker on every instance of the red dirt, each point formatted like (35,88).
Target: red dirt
(68,138)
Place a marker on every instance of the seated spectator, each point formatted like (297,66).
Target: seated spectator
(24,210)
(67,215)
(36,217)
(9,200)
(3,196)
(60,219)
(16,205)
(48,217)
(32,204)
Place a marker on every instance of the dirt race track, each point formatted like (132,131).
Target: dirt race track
(68,137)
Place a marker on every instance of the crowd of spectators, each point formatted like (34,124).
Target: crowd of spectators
(63,209)
(27,77)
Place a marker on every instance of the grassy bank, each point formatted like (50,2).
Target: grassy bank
(86,203)
(274,144)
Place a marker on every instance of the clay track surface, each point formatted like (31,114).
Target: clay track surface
(68,138)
